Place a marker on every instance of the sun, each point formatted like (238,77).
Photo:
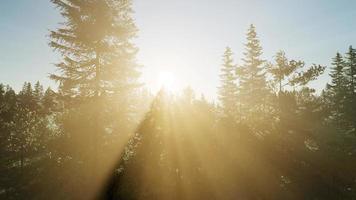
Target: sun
(167,81)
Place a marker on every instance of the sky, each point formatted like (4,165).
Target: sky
(186,37)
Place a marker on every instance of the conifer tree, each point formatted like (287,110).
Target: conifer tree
(252,72)
(283,70)
(38,95)
(253,90)
(97,76)
(351,69)
(351,92)
(96,47)
(338,73)
(98,56)
(26,97)
(228,89)
(49,100)
(338,88)
(38,91)
(8,105)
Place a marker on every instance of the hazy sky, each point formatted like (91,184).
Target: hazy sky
(186,37)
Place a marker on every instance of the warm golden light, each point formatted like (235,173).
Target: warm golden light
(163,112)
(167,80)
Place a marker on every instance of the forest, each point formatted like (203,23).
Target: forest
(102,134)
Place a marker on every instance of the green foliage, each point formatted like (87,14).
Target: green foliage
(100,137)
(26,134)
(98,88)
(96,47)
(350,69)
(303,78)
(291,73)
(228,90)
(252,73)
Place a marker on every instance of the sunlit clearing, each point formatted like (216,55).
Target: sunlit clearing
(167,81)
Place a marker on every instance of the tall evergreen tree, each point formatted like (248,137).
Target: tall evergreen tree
(98,74)
(252,72)
(337,74)
(350,68)
(97,51)
(253,90)
(96,47)
(38,91)
(38,94)
(228,89)
(338,89)
(26,97)
(49,101)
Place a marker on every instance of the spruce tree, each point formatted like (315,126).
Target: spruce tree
(95,43)
(338,88)
(337,73)
(38,95)
(97,76)
(98,56)
(26,97)
(351,92)
(228,89)
(38,91)
(351,69)
(253,90)
(49,101)
(252,72)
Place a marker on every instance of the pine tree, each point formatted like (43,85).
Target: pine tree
(97,51)
(351,78)
(98,74)
(253,90)
(351,69)
(26,97)
(8,105)
(95,44)
(285,72)
(283,69)
(38,91)
(338,88)
(49,101)
(337,73)
(228,89)
(252,73)
(38,95)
